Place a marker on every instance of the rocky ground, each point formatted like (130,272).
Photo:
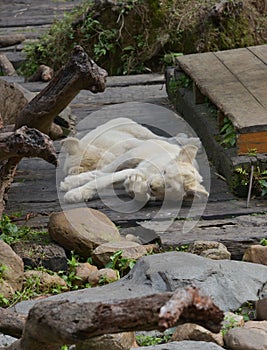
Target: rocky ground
(216,235)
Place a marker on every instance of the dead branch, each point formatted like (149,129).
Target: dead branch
(80,73)
(6,66)
(11,39)
(53,323)
(26,142)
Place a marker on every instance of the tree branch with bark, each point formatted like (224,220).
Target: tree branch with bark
(80,73)
(51,324)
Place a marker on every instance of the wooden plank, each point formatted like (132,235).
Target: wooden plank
(223,88)
(249,141)
(260,51)
(251,72)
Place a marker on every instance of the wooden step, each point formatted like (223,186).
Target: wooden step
(235,81)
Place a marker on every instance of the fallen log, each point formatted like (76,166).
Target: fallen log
(6,67)
(80,73)
(11,39)
(51,324)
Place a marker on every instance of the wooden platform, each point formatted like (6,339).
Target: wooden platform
(235,81)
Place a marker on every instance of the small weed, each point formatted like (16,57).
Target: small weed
(10,233)
(228,134)
(252,152)
(259,183)
(169,59)
(118,262)
(3,269)
(182,248)
(148,340)
(263,242)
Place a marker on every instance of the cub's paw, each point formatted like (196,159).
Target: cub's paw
(136,185)
(77,195)
(70,182)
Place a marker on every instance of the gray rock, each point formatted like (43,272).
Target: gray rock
(50,255)
(6,340)
(230,283)
(183,345)
(246,339)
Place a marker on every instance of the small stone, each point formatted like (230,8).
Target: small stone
(191,331)
(257,254)
(12,269)
(261,309)
(209,249)
(259,325)
(103,276)
(49,255)
(130,250)
(232,320)
(46,281)
(83,271)
(245,339)
(119,341)
(82,230)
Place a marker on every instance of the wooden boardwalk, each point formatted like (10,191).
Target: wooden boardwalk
(235,81)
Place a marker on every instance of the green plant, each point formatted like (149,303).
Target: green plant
(3,269)
(11,233)
(229,322)
(149,340)
(120,263)
(169,59)
(259,181)
(71,276)
(182,248)
(263,242)
(228,134)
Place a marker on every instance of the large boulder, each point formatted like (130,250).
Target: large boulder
(229,283)
(11,270)
(82,230)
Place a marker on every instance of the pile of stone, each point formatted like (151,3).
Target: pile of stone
(207,265)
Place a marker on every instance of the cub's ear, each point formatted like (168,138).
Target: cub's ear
(187,154)
(197,190)
(71,145)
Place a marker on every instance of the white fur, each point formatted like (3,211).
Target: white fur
(121,150)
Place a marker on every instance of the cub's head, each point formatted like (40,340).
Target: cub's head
(179,179)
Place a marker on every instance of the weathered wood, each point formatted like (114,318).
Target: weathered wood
(226,88)
(79,73)
(11,39)
(252,141)
(25,142)
(6,66)
(51,324)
